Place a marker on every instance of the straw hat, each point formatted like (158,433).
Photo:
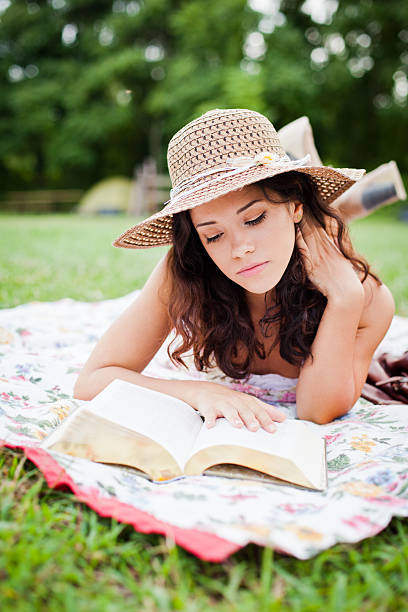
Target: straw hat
(222,151)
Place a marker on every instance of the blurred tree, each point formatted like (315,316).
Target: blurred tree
(359,63)
(342,63)
(74,75)
(88,88)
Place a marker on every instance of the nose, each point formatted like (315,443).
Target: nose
(241,245)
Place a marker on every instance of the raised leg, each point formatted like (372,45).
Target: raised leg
(377,188)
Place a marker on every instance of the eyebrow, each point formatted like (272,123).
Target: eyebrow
(240,210)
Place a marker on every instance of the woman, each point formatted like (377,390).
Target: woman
(261,278)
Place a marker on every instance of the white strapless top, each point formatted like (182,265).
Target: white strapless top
(271,388)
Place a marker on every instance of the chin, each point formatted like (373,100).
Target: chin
(259,286)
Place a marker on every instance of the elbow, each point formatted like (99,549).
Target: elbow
(325,413)
(79,392)
(319,419)
(90,382)
(82,387)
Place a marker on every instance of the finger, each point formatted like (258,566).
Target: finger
(232,415)
(332,242)
(325,244)
(304,251)
(305,228)
(317,243)
(209,423)
(210,416)
(332,228)
(304,223)
(311,237)
(325,234)
(275,413)
(300,240)
(321,234)
(249,418)
(265,420)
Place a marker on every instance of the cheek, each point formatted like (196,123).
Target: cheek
(280,238)
(217,253)
(222,259)
(288,242)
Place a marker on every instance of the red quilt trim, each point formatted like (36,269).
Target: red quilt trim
(206,546)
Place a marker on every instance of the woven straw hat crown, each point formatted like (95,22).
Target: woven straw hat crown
(215,137)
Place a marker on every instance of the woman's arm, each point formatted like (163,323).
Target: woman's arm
(354,322)
(131,342)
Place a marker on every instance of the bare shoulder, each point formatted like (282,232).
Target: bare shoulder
(379,305)
(159,280)
(151,305)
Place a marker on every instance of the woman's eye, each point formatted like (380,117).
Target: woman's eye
(250,222)
(213,238)
(257,220)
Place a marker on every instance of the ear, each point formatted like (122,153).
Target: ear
(297,211)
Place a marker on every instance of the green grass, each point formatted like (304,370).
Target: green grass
(58,555)
(383,241)
(47,257)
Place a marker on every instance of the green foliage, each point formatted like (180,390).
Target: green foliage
(89,89)
(66,114)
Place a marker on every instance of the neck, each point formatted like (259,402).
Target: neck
(259,302)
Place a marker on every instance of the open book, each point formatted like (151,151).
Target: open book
(166,438)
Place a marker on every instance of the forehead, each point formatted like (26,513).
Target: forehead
(227,203)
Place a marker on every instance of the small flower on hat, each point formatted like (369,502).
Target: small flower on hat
(268,158)
(264,158)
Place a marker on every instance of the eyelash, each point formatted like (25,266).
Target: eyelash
(251,222)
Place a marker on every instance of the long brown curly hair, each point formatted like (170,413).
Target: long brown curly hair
(210,312)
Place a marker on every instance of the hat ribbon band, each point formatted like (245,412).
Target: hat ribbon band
(236,165)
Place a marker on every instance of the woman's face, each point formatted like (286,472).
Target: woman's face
(248,237)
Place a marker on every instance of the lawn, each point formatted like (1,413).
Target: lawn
(58,555)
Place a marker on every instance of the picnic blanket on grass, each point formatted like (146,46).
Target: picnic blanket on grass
(43,345)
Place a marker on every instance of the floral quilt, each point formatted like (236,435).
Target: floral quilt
(42,348)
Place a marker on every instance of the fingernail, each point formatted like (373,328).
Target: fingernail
(271,427)
(238,423)
(253,426)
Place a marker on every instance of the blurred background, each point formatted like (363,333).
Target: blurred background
(94,89)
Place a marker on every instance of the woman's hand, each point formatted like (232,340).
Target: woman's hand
(327,268)
(213,400)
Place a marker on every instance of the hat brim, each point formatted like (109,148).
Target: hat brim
(156,230)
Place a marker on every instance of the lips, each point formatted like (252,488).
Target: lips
(252,269)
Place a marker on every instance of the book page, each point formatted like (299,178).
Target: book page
(293,440)
(163,418)
(232,470)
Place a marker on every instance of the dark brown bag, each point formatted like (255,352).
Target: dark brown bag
(387,380)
